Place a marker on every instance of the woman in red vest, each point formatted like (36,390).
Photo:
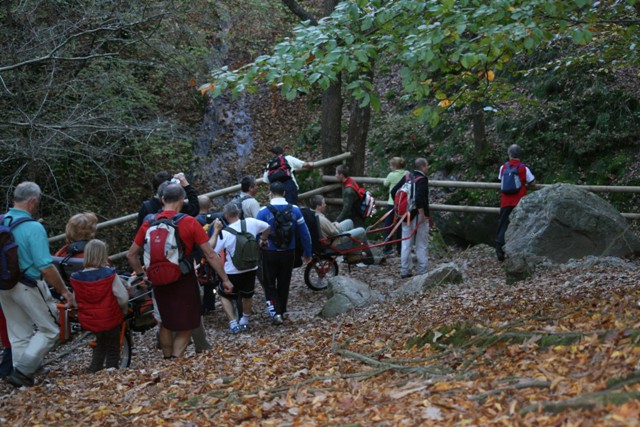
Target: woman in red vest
(102,301)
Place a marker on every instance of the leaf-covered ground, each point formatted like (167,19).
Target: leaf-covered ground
(556,349)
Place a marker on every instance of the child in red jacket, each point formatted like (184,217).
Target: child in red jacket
(102,301)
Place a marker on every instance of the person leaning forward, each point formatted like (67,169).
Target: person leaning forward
(178,302)
(30,302)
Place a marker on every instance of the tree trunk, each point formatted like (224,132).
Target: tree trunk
(479,133)
(331,120)
(299,11)
(331,124)
(358,132)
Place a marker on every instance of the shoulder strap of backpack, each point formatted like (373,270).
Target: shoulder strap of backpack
(272,209)
(17,222)
(231,230)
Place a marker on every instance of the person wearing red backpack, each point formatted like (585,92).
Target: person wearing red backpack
(179,301)
(351,208)
(350,198)
(509,199)
(416,229)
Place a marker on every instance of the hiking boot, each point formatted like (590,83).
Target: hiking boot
(277,319)
(405,276)
(500,254)
(18,379)
(234,330)
(245,327)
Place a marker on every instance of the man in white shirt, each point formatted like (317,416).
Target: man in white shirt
(243,281)
(290,183)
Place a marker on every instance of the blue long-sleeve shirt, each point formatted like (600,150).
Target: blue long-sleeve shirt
(301,227)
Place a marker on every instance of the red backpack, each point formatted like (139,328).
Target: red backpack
(367,202)
(405,199)
(164,257)
(278,169)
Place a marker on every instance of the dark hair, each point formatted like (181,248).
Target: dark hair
(277,150)
(159,178)
(343,170)
(515,152)
(316,200)
(247,182)
(277,188)
(172,193)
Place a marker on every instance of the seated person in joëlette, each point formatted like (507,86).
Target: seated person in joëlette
(79,230)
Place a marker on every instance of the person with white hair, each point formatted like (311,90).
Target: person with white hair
(30,302)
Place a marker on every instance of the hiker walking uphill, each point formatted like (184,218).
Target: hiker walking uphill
(514,178)
(27,301)
(285,221)
(102,302)
(175,286)
(281,168)
(418,220)
(238,240)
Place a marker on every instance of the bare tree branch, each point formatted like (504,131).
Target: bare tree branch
(299,11)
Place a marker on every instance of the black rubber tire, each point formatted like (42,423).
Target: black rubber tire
(317,272)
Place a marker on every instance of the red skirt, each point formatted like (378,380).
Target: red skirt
(179,303)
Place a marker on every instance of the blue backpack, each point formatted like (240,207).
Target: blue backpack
(511,183)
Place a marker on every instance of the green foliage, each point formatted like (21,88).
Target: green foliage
(448,53)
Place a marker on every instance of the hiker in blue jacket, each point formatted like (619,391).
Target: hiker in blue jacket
(286,222)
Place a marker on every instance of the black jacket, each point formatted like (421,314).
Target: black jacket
(154,205)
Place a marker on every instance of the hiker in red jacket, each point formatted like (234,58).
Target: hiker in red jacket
(102,301)
(509,200)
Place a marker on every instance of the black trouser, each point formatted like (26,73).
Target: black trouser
(502,226)
(276,268)
(107,350)
(290,191)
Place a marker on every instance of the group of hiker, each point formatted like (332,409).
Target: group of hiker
(181,239)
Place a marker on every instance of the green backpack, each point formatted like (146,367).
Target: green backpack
(245,255)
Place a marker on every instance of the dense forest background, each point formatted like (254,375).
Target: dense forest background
(95,97)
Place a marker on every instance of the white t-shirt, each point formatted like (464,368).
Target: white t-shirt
(228,242)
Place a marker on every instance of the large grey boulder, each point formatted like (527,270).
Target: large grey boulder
(443,274)
(563,222)
(345,294)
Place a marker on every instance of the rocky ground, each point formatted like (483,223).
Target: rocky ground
(556,349)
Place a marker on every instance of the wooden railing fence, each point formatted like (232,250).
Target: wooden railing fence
(333,185)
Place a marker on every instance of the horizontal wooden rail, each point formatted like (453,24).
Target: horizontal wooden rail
(232,189)
(491,185)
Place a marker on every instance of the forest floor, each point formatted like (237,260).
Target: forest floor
(557,349)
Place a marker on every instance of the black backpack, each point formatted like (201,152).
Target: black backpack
(283,228)
(10,273)
(278,169)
